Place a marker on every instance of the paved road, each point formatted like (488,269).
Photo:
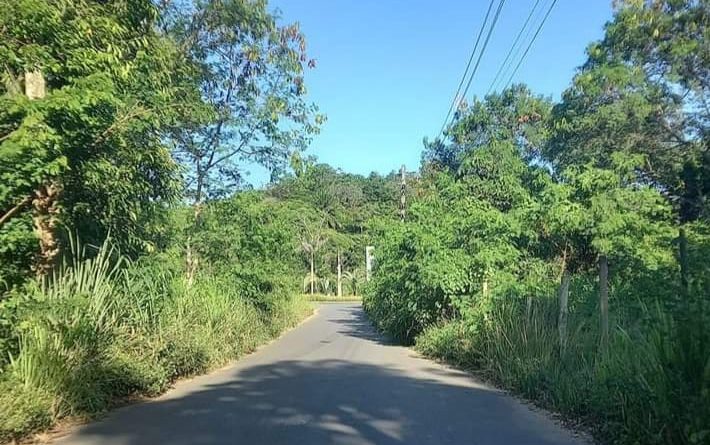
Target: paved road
(332,380)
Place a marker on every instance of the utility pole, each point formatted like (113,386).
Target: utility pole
(403,194)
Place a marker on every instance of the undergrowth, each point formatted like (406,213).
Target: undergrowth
(102,329)
(650,386)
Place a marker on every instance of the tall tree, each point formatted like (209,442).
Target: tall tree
(251,79)
(645,90)
(312,239)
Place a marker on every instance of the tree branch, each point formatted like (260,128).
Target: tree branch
(10,213)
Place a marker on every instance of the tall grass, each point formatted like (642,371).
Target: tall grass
(102,329)
(651,386)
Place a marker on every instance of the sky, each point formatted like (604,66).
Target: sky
(387,70)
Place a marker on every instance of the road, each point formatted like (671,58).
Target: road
(332,380)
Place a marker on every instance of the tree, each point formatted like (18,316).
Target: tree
(514,115)
(644,90)
(251,79)
(89,155)
(622,220)
(312,240)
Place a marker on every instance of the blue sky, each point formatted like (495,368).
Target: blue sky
(387,69)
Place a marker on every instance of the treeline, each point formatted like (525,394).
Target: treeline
(561,249)
(126,258)
(336,211)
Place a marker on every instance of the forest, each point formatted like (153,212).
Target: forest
(558,249)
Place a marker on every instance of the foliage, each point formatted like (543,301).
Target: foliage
(99,332)
(96,138)
(140,98)
(251,83)
(518,199)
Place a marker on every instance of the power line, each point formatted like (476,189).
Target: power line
(485,44)
(515,43)
(539,28)
(468,66)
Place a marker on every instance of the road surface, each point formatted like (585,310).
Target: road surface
(332,380)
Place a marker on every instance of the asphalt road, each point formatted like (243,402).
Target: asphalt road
(332,380)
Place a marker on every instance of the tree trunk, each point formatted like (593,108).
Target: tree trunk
(564,309)
(340,276)
(44,219)
(190,262)
(683,261)
(604,299)
(44,202)
(313,273)
(191,257)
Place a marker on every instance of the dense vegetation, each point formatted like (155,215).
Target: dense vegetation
(561,248)
(131,251)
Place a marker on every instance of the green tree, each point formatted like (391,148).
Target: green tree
(251,78)
(644,90)
(88,152)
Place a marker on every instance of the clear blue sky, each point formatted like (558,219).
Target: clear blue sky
(387,69)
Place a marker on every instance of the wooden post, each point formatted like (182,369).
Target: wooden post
(564,305)
(340,276)
(528,309)
(313,272)
(485,285)
(683,262)
(604,299)
(368,262)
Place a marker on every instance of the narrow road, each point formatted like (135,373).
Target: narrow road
(332,380)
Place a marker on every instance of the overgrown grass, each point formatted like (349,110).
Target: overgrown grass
(102,330)
(650,386)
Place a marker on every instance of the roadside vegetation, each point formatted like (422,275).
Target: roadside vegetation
(132,251)
(561,249)
(558,248)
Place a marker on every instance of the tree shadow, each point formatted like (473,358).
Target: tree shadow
(357,324)
(325,402)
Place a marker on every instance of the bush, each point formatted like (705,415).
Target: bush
(450,342)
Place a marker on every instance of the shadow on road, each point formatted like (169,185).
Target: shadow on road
(322,402)
(357,324)
(328,401)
